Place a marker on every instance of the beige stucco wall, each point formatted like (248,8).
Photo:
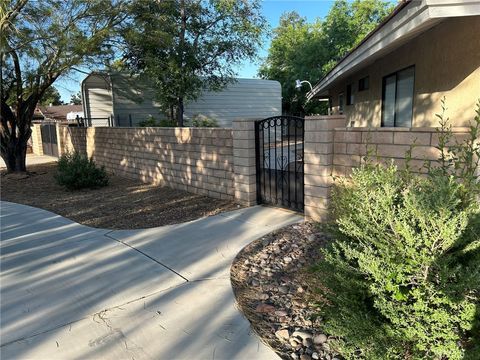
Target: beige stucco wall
(447,63)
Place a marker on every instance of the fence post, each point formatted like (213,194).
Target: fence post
(130,119)
(318,163)
(244,161)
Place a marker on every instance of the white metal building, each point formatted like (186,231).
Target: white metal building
(120,100)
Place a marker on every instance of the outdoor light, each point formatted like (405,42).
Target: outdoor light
(298,84)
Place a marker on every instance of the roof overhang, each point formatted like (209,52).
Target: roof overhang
(409,19)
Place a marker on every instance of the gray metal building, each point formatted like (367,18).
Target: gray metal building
(126,101)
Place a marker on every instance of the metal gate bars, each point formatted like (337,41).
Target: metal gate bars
(49,138)
(279,161)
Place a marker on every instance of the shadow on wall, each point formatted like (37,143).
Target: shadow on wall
(198,160)
(427,106)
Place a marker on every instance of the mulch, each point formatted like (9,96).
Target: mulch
(123,204)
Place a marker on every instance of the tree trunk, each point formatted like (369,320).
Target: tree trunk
(15,154)
(14,135)
(172,113)
(180,112)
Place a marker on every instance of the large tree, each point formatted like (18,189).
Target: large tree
(183,47)
(306,51)
(296,52)
(76,99)
(51,96)
(41,41)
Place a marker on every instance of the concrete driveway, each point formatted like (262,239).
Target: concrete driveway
(69,291)
(33,159)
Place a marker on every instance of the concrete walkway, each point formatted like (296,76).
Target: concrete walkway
(33,159)
(69,291)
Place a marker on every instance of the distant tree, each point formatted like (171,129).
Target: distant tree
(39,42)
(347,24)
(307,51)
(296,52)
(51,96)
(76,99)
(184,47)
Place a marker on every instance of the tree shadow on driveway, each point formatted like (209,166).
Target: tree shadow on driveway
(70,291)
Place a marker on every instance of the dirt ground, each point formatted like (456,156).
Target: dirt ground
(123,204)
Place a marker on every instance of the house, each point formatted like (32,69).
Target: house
(58,113)
(118,100)
(397,76)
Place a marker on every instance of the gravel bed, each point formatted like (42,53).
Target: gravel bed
(275,289)
(123,204)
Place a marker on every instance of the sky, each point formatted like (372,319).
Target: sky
(272,10)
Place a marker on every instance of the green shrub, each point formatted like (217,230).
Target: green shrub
(203,121)
(402,278)
(76,171)
(151,122)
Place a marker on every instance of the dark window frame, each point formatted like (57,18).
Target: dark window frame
(384,79)
(364,83)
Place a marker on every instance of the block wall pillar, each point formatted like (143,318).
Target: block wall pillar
(318,164)
(244,162)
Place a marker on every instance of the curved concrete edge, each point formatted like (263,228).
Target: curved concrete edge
(116,294)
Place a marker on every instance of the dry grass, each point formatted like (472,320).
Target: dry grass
(123,204)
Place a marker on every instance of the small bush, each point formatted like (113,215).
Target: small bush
(203,121)
(76,171)
(151,122)
(403,275)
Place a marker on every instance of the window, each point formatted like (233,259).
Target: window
(349,94)
(340,103)
(397,100)
(363,83)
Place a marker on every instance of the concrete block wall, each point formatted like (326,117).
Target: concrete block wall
(191,159)
(37,145)
(332,150)
(220,163)
(71,139)
(318,163)
(245,183)
(386,145)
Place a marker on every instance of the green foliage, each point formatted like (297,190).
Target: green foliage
(304,51)
(76,99)
(41,41)
(403,275)
(185,47)
(51,96)
(151,122)
(76,171)
(203,121)
(347,24)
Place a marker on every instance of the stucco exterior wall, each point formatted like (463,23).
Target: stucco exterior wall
(447,63)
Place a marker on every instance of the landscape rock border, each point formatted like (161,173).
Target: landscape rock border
(275,289)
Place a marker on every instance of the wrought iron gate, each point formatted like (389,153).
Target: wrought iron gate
(49,139)
(279,158)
